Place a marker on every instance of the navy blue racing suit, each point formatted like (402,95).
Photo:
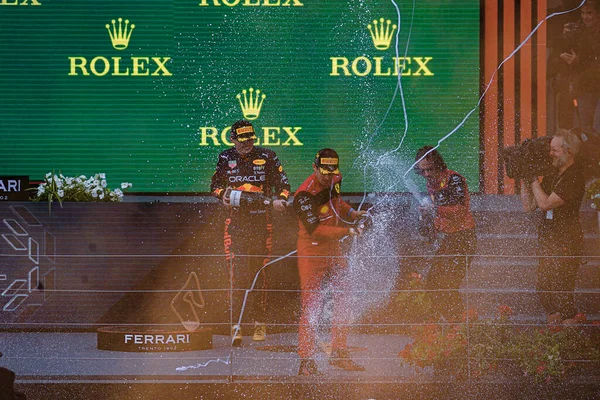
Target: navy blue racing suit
(248,232)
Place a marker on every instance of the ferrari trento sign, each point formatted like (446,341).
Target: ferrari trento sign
(134,339)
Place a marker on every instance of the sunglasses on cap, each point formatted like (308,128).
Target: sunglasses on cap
(244,134)
(328,166)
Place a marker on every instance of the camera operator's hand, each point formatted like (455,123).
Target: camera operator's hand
(279,205)
(569,58)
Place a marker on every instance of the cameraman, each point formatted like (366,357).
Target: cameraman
(560,237)
(255,172)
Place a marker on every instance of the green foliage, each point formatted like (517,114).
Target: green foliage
(547,354)
(434,344)
(414,299)
(543,354)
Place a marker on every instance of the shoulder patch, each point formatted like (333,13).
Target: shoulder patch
(455,178)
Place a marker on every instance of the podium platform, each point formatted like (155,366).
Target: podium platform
(69,366)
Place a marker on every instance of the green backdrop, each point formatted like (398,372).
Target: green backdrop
(152,113)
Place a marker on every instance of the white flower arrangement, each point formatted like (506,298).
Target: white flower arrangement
(593,193)
(81,188)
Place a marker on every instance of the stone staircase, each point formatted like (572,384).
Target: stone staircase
(117,263)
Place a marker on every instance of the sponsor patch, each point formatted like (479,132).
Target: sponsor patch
(329,161)
(244,129)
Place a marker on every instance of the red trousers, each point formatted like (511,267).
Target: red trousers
(313,271)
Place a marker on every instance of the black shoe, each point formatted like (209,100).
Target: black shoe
(341,359)
(308,367)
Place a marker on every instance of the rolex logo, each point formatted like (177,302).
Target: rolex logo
(251,103)
(382,31)
(19,3)
(382,35)
(120,35)
(136,65)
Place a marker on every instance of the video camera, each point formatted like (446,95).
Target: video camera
(530,158)
(247,200)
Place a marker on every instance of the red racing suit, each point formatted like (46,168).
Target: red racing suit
(453,218)
(248,233)
(322,214)
(452,201)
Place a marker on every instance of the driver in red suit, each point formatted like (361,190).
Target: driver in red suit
(324,219)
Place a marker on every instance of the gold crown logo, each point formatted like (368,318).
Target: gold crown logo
(382,36)
(251,104)
(120,35)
